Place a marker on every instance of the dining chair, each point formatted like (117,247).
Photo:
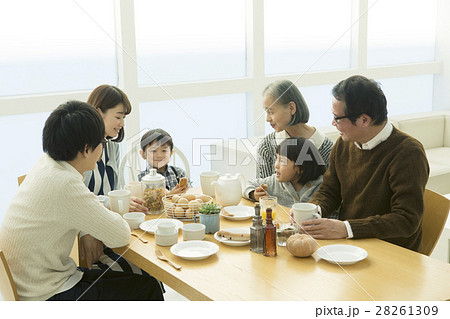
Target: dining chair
(8,289)
(131,164)
(20,179)
(436,209)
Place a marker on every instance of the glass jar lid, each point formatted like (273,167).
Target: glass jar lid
(153,177)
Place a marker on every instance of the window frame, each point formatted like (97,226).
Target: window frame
(252,84)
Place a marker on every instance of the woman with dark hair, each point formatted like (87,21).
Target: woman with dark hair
(298,174)
(113,105)
(288,114)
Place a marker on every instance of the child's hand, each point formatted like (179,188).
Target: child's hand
(178,190)
(259,192)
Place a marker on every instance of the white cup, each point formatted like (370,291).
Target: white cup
(304,211)
(119,201)
(206,178)
(136,189)
(166,228)
(193,232)
(134,219)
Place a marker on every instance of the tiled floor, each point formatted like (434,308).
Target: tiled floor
(172,295)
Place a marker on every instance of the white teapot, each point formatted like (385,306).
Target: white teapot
(229,189)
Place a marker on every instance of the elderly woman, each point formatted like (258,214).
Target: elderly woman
(288,114)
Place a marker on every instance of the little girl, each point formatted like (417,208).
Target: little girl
(298,174)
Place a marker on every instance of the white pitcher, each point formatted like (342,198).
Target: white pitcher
(229,189)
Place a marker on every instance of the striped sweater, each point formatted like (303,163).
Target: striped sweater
(267,155)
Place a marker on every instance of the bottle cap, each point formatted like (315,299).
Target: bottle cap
(257,209)
(269,214)
(152,176)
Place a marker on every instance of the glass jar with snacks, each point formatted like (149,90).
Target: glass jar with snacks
(155,190)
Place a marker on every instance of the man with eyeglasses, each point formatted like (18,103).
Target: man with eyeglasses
(377,174)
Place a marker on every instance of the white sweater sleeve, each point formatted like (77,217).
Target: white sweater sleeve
(87,214)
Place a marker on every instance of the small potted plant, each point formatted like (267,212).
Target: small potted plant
(209,216)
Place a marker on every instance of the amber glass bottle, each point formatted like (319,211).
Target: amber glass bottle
(270,236)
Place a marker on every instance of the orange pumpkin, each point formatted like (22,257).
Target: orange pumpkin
(301,245)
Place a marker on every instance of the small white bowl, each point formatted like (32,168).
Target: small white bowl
(193,232)
(134,219)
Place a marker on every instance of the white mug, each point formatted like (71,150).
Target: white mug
(136,189)
(206,178)
(119,201)
(304,211)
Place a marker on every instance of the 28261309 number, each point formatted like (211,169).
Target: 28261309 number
(407,310)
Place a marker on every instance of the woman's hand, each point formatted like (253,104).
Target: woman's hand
(259,192)
(90,249)
(137,205)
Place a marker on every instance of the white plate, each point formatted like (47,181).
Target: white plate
(239,212)
(233,242)
(151,225)
(342,254)
(194,249)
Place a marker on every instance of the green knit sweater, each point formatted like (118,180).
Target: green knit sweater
(380,191)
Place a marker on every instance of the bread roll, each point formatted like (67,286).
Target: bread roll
(233,236)
(183,182)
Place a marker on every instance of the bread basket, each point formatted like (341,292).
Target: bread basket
(184,207)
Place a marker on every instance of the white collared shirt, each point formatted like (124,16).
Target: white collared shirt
(374,142)
(380,137)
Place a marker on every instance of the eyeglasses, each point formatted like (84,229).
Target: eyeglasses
(337,118)
(104,142)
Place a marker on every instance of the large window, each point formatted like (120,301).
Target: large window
(53,46)
(22,146)
(300,36)
(196,40)
(401,31)
(412,93)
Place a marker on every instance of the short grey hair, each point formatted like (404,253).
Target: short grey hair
(284,91)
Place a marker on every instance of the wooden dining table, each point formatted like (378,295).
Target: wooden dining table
(389,272)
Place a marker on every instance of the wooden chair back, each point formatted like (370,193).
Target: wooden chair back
(8,289)
(436,209)
(20,179)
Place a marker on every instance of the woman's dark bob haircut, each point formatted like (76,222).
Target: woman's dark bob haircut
(106,97)
(70,128)
(305,155)
(284,91)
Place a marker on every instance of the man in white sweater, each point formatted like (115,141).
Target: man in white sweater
(53,205)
